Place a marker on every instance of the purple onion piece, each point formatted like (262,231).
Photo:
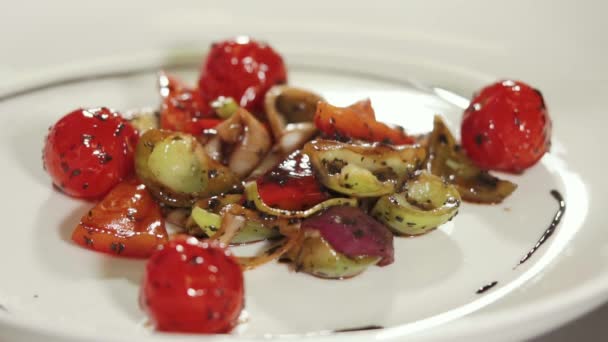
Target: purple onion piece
(350,231)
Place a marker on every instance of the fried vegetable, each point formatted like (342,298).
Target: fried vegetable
(362,169)
(208,218)
(143,120)
(357,121)
(286,105)
(446,159)
(176,169)
(352,232)
(253,231)
(224,107)
(426,203)
(291,184)
(315,256)
(253,195)
(245,138)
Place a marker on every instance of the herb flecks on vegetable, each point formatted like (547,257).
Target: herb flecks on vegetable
(426,203)
(446,159)
(362,169)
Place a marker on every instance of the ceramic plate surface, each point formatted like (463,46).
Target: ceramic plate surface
(54,290)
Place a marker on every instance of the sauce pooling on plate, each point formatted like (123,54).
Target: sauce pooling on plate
(551,229)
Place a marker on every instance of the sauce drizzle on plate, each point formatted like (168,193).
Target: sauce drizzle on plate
(551,229)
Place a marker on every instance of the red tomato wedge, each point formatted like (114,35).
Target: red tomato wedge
(357,121)
(127,222)
(183,108)
(291,185)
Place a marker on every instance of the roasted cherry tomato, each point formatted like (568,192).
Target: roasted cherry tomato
(291,185)
(191,286)
(243,69)
(506,127)
(127,222)
(357,121)
(89,151)
(183,109)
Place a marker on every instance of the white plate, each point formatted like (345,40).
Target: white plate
(52,289)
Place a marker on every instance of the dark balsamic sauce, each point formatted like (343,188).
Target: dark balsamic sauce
(551,229)
(363,328)
(296,165)
(486,287)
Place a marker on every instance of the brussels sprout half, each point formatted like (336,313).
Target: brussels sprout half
(315,256)
(176,169)
(426,203)
(363,169)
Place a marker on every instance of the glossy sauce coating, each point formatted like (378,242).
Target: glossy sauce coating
(291,185)
(243,69)
(192,286)
(127,222)
(506,127)
(89,151)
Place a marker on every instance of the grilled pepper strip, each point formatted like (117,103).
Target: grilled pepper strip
(253,195)
(446,159)
(176,169)
(357,121)
(363,170)
(427,203)
(291,185)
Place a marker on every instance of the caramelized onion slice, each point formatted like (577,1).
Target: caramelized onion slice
(286,105)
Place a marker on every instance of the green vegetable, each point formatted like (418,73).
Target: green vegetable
(426,203)
(362,169)
(174,163)
(224,107)
(144,121)
(252,231)
(176,169)
(315,256)
(252,193)
(446,159)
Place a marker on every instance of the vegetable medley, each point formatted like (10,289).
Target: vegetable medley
(243,157)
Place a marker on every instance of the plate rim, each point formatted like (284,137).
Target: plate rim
(155,60)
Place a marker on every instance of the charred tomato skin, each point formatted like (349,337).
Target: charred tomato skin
(506,127)
(193,287)
(89,151)
(243,69)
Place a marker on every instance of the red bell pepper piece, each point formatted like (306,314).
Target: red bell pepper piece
(127,222)
(183,108)
(291,185)
(357,121)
